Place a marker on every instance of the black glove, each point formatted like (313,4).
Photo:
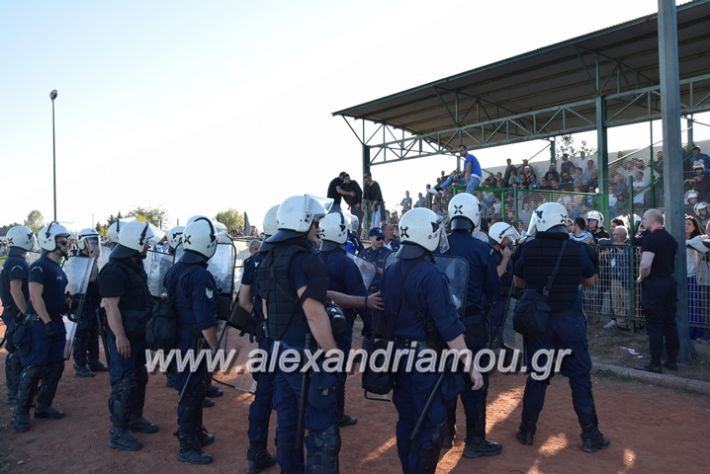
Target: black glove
(49,329)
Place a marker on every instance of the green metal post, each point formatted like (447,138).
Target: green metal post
(553,151)
(652,166)
(603,154)
(691,141)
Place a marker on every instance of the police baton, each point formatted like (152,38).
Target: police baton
(427,406)
(103,332)
(302,403)
(198,348)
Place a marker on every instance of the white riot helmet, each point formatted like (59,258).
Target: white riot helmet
(200,237)
(500,230)
(113,231)
(550,215)
(270,223)
(421,229)
(464,212)
(87,239)
(698,164)
(700,206)
(296,215)
(692,194)
(22,237)
(134,237)
(596,216)
(175,237)
(48,235)
(333,229)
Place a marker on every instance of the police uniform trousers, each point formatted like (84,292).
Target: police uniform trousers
(42,360)
(497,317)
(411,391)
(473,401)
(193,386)
(86,337)
(320,422)
(128,377)
(13,365)
(658,299)
(564,331)
(344,342)
(263,402)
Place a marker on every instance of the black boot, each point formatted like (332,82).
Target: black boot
(188,434)
(97,366)
(50,380)
(205,437)
(525,436)
(139,424)
(594,440)
(25,393)
(213,391)
(123,439)
(82,371)
(259,459)
(13,370)
(477,445)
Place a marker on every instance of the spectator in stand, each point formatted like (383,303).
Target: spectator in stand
(620,191)
(353,196)
(700,181)
(694,252)
(619,260)
(579,180)
(580,233)
(691,199)
(336,191)
(422,201)
(544,184)
(525,214)
(552,174)
(566,166)
(528,179)
(406,202)
(500,183)
(373,200)
(698,156)
(509,169)
(394,218)
(522,166)
(515,179)
(472,172)
(592,175)
(554,185)
(702,213)
(566,183)
(639,186)
(490,181)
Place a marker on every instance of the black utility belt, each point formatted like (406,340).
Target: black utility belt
(35,317)
(411,343)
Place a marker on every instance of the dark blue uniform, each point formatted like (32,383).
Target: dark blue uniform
(303,269)
(567,327)
(14,268)
(86,338)
(44,359)
(263,402)
(345,278)
(500,301)
(427,290)
(125,278)
(195,291)
(483,284)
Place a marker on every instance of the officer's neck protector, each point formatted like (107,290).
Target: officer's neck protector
(410,251)
(462,223)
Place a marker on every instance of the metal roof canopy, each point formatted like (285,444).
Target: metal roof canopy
(547,92)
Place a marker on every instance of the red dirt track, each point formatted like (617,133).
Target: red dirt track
(651,429)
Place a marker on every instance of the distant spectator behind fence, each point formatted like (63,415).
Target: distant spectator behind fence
(406,202)
(373,200)
(619,260)
(694,252)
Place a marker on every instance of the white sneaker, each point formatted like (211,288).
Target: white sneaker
(431,191)
(611,324)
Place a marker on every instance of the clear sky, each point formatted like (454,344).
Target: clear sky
(197,107)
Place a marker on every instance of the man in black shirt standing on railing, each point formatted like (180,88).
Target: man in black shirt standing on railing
(658,290)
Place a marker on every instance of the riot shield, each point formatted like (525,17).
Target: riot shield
(78,271)
(32,257)
(156,265)
(104,255)
(367,269)
(222,267)
(456,270)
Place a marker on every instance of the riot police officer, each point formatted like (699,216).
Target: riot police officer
(294,282)
(123,287)
(566,327)
(502,236)
(15,296)
(344,278)
(353,245)
(258,457)
(483,284)
(418,305)
(175,238)
(194,290)
(86,338)
(45,358)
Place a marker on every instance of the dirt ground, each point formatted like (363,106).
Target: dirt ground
(651,429)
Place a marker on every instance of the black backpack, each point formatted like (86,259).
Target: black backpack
(161,329)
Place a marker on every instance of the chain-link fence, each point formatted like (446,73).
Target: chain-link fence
(618,296)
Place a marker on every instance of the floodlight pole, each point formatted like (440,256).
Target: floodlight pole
(673,160)
(53,95)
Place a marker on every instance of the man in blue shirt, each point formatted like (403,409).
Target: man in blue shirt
(377,254)
(472,172)
(698,156)
(44,358)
